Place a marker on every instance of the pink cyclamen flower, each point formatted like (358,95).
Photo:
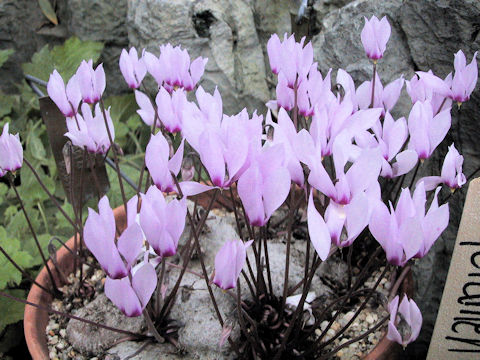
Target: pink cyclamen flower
(131,297)
(173,68)
(290,58)
(162,223)
(170,108)
(11,150)
(375,35)
(224,143)
(133,69)
(229,262)
(265,185)
(426,86)
(405,321)
(159,165)
(67,99)
(91,82)
(426,130)
(407,232)
(89,131)
(451,175)
(465,77)
(99,237)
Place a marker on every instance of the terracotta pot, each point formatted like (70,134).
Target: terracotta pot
(36,320)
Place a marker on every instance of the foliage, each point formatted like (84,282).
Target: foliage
(22,112)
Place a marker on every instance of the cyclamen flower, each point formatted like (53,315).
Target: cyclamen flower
(451,175)
(350,198)
(162,223)
(131,297)
(407,232)
(405,321)
(383,97)
(229,262)
(173,68)
(426,86)
(133,69)
(465,77)
(223,142)
(11,150)
(67,99)
(426,130)
(91,82)
(290,58)
(285,134)
(169,107)
(99,237)
(375,35)
(159,165)
(89,131)
(390,138)
(265,185)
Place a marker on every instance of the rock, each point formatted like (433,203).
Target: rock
(152,351)
(103,21)
(338,45)
(90,339)
(223,31)
(26,30)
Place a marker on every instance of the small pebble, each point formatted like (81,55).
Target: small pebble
(63,333)
(336,326)
(53,340)
(369,319)
(323,325)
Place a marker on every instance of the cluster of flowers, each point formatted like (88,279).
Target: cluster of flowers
(354,128)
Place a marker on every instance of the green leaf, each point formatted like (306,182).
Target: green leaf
(48,11)
(11,310)
(4,55)
(65,58)
(114,194)
(6,104)
(9,274)
(29,246)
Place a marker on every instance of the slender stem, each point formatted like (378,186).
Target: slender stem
(24,273)
(240,316)
(297,312)
(240,233)
(267,260)
(349,262)
(359,310)
(287,253)
(373,83)
(415,174)
(152,328)
(169,300)
(32,230)
(49,309)
(159,290)
(115,156)
(358,338)
(69,219)
(202,263)
(398,282)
